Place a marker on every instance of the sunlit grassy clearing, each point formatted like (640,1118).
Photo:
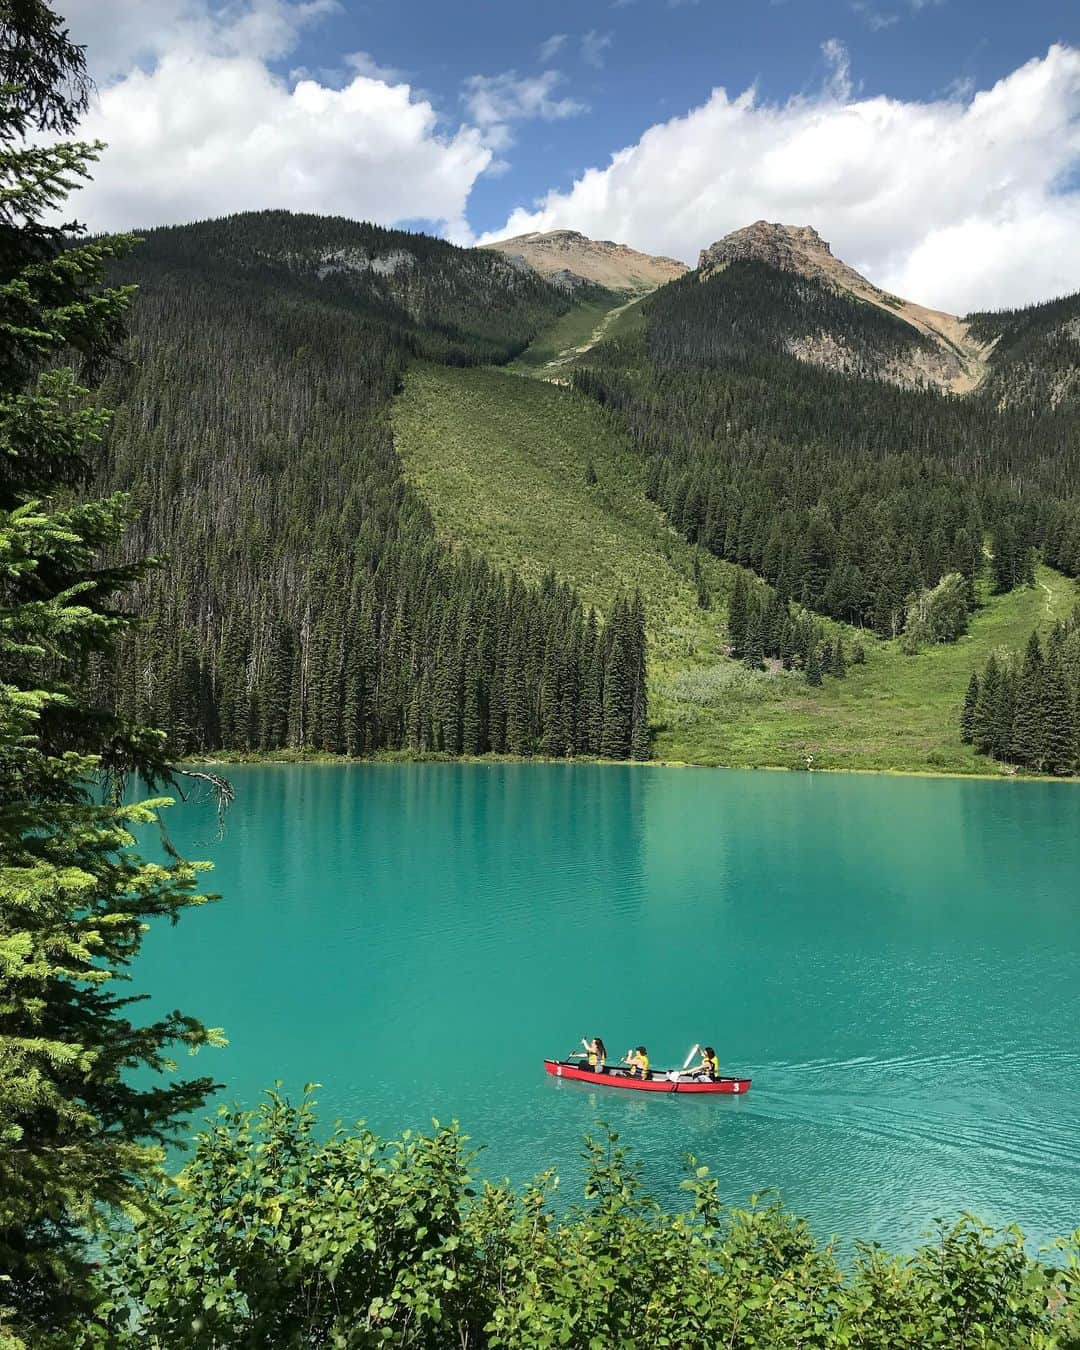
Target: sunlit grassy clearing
(572,330)
(502,461)
(896,712)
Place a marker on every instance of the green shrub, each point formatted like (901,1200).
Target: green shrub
(273,1236)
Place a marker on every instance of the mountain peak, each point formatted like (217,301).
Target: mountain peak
(570,258)
(960,362)
(791,248)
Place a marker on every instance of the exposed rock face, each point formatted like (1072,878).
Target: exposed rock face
(570,259)
(356,260)
(959,362)
(791,248)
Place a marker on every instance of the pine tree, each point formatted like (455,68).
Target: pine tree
(1059,727)
(365,657)
(1026,733)
(78,1115)
(593,701)
(738,615)
(472,716)
(1005,563)
(989,731)
(639,722)
(551,738)
(813,667)
(277,688)
(774,624)
(619,662)
(753,645)
(967,713)
(518,720)
(837,661)
(498,700)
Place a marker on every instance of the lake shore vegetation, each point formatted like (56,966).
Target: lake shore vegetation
(83,1114)
(277,1233)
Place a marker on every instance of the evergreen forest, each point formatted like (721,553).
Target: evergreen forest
(847,493)
(307,602)
(1026,710)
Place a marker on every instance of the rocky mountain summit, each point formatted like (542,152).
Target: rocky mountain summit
(791,248)
(950,357)
(570,260)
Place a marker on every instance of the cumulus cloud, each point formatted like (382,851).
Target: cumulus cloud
(199,124)
(495,101)
(119,34)
(962,202)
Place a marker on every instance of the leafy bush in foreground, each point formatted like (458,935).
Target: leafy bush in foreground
(273,1236)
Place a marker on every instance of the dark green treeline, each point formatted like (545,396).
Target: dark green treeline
(762,624)
(1027,711)
(307,602)
(848,494)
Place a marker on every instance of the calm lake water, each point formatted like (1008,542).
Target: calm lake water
(896,962)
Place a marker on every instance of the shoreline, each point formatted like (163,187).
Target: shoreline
(223,759)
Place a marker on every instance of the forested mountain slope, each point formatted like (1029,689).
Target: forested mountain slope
(1035,360)
(848,493)
(308,602)
(461,305)
(534,476)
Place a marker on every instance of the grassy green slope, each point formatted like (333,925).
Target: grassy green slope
(573,330)
(896,712)
(501,461)
(555,351)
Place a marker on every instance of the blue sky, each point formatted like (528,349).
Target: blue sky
(935,143)
(641,62)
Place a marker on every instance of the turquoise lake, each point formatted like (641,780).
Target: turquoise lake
(895,962)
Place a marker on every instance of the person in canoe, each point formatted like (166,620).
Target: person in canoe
(709,1067)
(595,1053)
(639,1062)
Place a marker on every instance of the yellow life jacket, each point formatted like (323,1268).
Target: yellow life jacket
(642,1065)
(713,1065)
(592,1059)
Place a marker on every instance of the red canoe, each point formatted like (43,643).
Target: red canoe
(659,1080)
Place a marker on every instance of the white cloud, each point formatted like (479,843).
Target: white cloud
(553,45)
(363,63)
(119,34)
(198,124)
(594,47)
(956,203)
(839,63)
(495,101)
